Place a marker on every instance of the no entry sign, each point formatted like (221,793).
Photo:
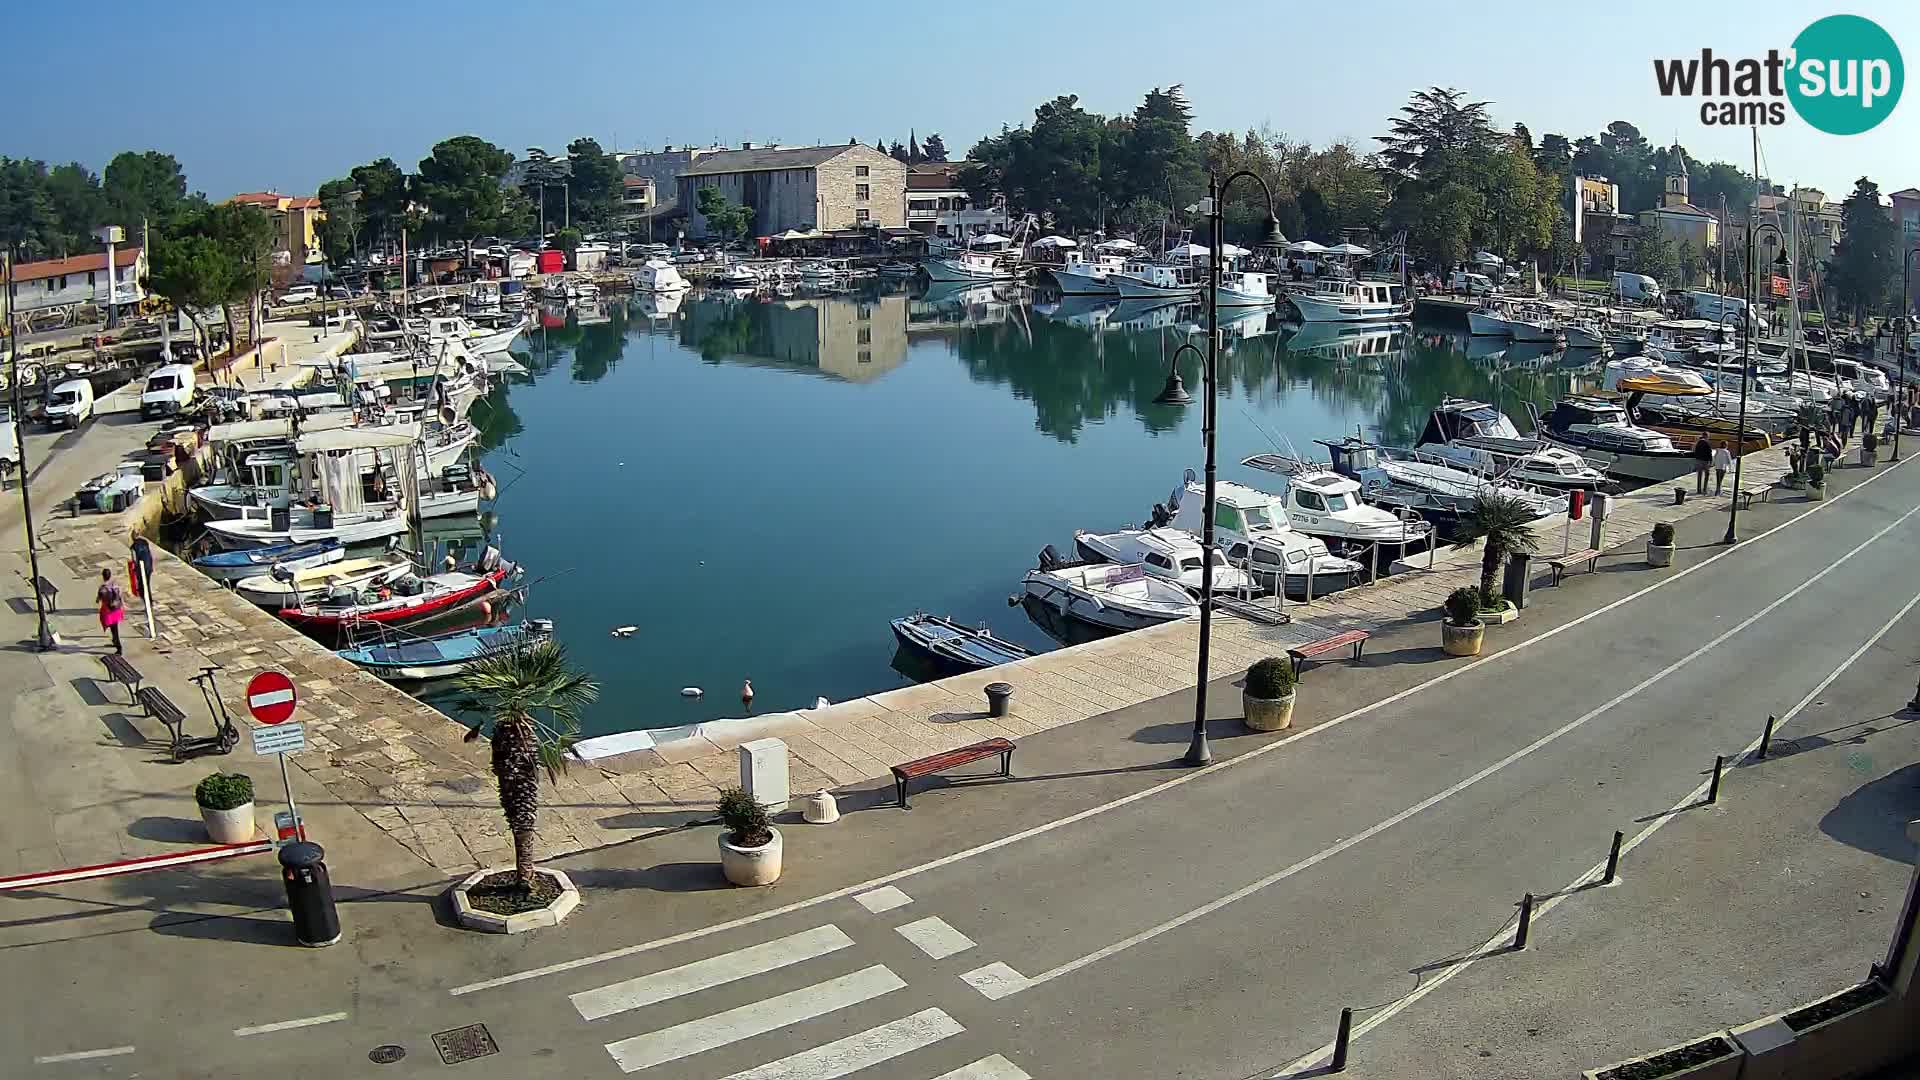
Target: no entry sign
(270,697)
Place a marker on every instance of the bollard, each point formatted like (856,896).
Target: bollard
(1679,496)
(1766,738)
(1713,789)
(1526,919)
(1340,1040)
(998,695)
(1613,858)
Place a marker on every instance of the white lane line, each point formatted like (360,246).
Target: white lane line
(856,1052)
(1439,797)
(704,974)
(758,1018)
(995,981)
(1158,789)
(1499,942)
(936,937)
(83,1055)
(288,1025)
(991,1067)
(882,899)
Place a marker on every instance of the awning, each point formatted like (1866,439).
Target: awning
(1117,245)
(1306,247)
(991,238)
(356,438)
(1350,249)
(249,430)
(1188,251)
(1231,251)
(1054,242)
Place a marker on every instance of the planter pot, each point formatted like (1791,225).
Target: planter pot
(233,826)
(1723,1067)
(1817,492)
(1462,640)
(474,918)
(751,866)
(1501,615)
(1659,554)
(1869,458)
(1267,714)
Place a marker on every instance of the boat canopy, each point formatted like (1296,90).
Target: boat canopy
(355,438)
(1054,242)
(250,430)
(1349,249)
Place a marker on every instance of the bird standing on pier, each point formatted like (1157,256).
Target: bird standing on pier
(746,693)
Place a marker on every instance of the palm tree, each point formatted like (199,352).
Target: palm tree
(1505,522)
(531,700)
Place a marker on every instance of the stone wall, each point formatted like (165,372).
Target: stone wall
(886,182)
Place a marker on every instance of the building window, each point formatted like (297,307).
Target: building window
(946,204)
(862,215)
(90,280)
(866,335)
(866,356)
(63,281)
(860,170)
(860,192)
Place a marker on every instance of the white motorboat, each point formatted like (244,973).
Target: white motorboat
(1243,289)
(484,343)
(1648,375)
(658,276)
(1321,503)
(1599,430)
(1489,320)
(1259,538)
(1351,300)
(257,527)
(1425,484)
(1170,554)
(971,266)
(1139,279)
(1107,596)
(1084,276)
(281,587)
(231,566)
(1533,323)
(1479,437)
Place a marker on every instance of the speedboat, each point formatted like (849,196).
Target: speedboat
(1425,484)
(1140,279)
(953,647)
(1321,503)
(1167,553)
(280,587)
(1489,320)
(240,565)
(1107,596)
(1477,436)
(1599,430)
(658,276)
(1352,300)
(441,655)
(406,599)
(1260,539)
(737,276)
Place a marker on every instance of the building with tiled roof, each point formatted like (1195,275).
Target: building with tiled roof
(805,187)
(296,220)
(80,279)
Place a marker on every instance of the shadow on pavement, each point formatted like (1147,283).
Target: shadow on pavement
(169,830)
(243,930)
(1874,816)
(677,877)
(1419,654)
(1231,727)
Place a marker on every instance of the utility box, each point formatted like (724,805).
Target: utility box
(1518,582)
(763,772)
(1602,507)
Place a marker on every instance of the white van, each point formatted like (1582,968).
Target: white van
(1721,309)
(69,404)
(168,391)
(299,294)
(1636,287)
(1471,283)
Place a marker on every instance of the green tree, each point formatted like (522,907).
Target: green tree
(1653,253)
(725,218)
(531,698)
(1440,221)
(218,257)
(1522,205)
(383,199)
(78,206)
(340,229)
(567,240)
(1141,217)
(597,185)
(1505,522)
(145,186)
(934,149)
(1437,130)
(1158,156)
(1866,262)
(187,269)
(26,209)
(460,183)
(898,152)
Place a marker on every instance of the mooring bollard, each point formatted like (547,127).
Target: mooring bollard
(1526,919)
(1766,738)
(1613,858)
(1713,789)
(1679,496)
(1340,1040)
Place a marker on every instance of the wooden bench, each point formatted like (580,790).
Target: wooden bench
(1561,563)
(936,763)
(48,592)
(124,673)
(1744,497)
(1300,654)
(161,708)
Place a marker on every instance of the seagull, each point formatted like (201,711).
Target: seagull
(624,631)
(746,692)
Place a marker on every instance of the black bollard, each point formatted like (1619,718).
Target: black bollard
(1713,789)
(309,894)
(1340,1040)
(1526,920)
(1613,858)
(1766,738)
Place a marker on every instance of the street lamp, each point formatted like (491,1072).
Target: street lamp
(1198,752)
(1746,372)
(1900,340)
(43,635)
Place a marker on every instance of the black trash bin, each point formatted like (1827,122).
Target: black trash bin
(998,694)
(309,894)
(323,516)
(280,519)
(1519,579)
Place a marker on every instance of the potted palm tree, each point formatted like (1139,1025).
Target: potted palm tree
(1660,545)
(1462,632)
(1505,522)
(226,806)
(1267,696)
(750,846)
(529,701)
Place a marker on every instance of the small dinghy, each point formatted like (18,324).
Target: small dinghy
(253,562)
(283,587)
(954,647)
(445,654)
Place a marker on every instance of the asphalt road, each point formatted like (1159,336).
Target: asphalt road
(1142,922)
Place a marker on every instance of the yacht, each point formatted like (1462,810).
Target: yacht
(1170,554)
(658,276)
(1352,300)
(1320,502)
(1599,430)
(1107,596)
(1258,537)
(1084,276)
(737,275)
(1477,436)
(1140,279)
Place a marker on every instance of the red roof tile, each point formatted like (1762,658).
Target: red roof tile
(76,264)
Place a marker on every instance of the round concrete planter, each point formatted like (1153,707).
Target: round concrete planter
(475,919)
(1659,554)
(1817,492)
(1462,640)
(1869,458)
(751,866)
(1267,714)
(233,826)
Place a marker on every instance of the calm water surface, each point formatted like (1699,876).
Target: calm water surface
(760,484)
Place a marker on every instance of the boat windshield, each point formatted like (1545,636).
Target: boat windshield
(1258,517)
(1339,501)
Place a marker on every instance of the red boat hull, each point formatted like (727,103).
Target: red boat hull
(427,608)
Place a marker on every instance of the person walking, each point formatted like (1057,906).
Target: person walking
(1722,461)
(112,608)
(140,565)
(1702,461)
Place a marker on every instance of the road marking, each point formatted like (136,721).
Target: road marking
(936,937)
(758,1018)
(992,1067)
(287,1025)
(1443,795)
(995,981)
(83,1055)
(882,899)
(874,884)
(1499,942)
(856,1052)
(704,974)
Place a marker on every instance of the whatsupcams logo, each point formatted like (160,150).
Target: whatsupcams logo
(1843,75)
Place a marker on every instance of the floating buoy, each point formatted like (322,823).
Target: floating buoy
(746,692)
(692,691)
(627,631)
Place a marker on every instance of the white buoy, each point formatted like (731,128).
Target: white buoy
(822,703)
(692,691)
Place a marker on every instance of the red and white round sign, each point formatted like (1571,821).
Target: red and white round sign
(270,697)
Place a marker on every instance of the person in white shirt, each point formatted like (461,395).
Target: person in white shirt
(1722,461)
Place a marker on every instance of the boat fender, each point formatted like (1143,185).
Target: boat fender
(692,691)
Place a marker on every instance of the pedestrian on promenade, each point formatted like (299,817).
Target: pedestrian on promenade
(1702,461)
(1870,413)
(112,608)
(1849,415)
(1722,461)
(140,564)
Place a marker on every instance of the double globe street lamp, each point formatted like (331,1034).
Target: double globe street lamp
(1751,323)
(1903,331)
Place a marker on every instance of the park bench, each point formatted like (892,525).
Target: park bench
(121,671)
(1300,654)
(1745,496)
(941,762)
(1561,563)
(161,708)
(49,593)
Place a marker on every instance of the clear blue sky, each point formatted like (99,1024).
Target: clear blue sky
(269,96)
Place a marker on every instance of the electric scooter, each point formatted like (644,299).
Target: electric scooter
(225,736)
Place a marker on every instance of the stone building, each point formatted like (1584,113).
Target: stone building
(807,188)
(296,222)
(1691,229)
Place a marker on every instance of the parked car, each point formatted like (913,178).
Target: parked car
(69,404)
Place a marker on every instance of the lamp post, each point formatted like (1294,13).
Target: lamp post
(1746,378)
(1900,340)
(1198,752)
(43,635)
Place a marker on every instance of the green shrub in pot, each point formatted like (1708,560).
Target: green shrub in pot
(1271,678)
(224,791)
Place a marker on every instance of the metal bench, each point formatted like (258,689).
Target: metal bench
(1745,496)
(1561,563)
(161,708)
(121,671)
(964,755)
(1300,654)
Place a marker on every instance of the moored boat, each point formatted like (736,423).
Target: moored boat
(1107,596)
(954,647)
(1351,300)
(1169,554)
(280,586)
(240,565)
(442,655)
(406,599)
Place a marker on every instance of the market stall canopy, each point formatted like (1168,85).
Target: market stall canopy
(796,234)
(1054,242)
(1187,251)
(1306,247)
(1232,251)
(1350,249)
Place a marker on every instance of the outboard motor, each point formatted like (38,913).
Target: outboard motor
(1050,559)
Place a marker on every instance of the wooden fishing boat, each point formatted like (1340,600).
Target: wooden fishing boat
(405,600)
(447,654)
(954,647)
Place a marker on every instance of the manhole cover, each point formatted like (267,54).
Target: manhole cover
(464,1044)
(386,1055)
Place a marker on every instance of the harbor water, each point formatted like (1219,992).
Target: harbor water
(759,484)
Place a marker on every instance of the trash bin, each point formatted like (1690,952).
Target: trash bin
(309,894)
(998,694)
(1519,579)
(280,519)
(323,516)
